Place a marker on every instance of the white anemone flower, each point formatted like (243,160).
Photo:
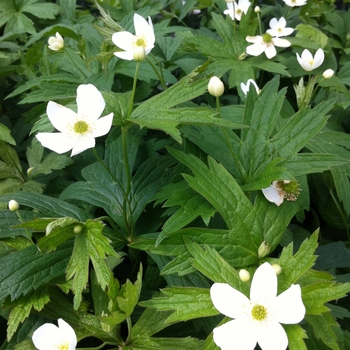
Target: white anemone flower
(144,37)
(292,3)
(258,319)
(51,337)
(265,43)
(309,62)
(77,130)
(245,87)
(278,27)
(235,10)
(280,190)
(56,43)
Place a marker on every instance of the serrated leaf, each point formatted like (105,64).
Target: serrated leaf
(311,33)
(159,343)
(5,135)
(295,334)
(42,10)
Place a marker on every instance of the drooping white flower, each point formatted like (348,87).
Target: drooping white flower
(293,3)
(50,337)
(245,87)
(258,319)
(56,43)
(215,86)
(278,28)
(77,130)
(308,62)
(265,43)
(280,190)
(235,10)
(144,37)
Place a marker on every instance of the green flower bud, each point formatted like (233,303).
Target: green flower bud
(139,53)
(215,87)
(244,275)
(13,205)
(263,250)
(77,229)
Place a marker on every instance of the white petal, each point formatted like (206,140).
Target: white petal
(227,300)
(254,39)
(125,55)
(150,34)
(270,51)
(45,337)
(60,116)
(319,57)
(264,284)
(255,49)
(282,22)
(124,40)
(90,101)
(306,55)
(273,337)
(57,142)
(140,24)
(68,332)
(273,195)
(83,144)
(289,305)
(235,335)
(273,23)
(103,125)
(281,42)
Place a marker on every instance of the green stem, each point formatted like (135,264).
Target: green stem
(234,156)
(341,214)
(98,347)
(25,229)
(131,104)
(259,21)
(115,228)
(159,75)
(128,321)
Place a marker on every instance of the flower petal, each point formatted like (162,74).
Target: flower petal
(125,55)
(319,58)
(60,116)
(235,335)
(273,195)
(228,300)
(289,305)
(270,51)
(83,144)
(264,284)
(140,24)
(103,125)
(306,55)
(45,336)
(274,23)
(124,40)
(281,42)
(90,101)
(273,337)
(255,49)
(57,142)
(67,332)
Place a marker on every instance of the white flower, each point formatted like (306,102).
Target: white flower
(56,42)
(77,130)
(328,73)
(293,3)
(280,190)
(215,87)
(144,36)
(245,87)
(265,43)
(235,10)
(308,62)
(51,337)
(278,27)
(259,319)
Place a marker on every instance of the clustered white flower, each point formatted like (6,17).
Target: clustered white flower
(77,130)
(258,319)
(235,10)
(144,37)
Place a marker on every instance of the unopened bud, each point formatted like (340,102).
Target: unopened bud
(77,229)
(277,268)
(30,171)
(328,73)
(263,250)
(13,205)
(244,275)
(139,53)
(216,87)
(257,9)
(56,43)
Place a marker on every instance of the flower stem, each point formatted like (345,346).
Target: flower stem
(25,229)
(160,75)
(131,104)
(341,214)
(259,22)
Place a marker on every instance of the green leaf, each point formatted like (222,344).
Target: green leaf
(168,343)
(42,10)
(5,135)
(306,31)
(295,334)
(187,303)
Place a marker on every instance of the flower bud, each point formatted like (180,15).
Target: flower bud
(77,229)
(139,53)
(56,43)
(215,87)
(328,73)
(277,268)
(263,250)
(13,205)
(30,171)
(257,9)
(244,275)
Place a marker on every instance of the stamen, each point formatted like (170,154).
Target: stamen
(259,312)
(140,41)
(81,127)
(267,38)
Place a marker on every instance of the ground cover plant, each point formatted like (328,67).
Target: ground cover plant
(174,174)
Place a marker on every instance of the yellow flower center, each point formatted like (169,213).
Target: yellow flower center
(238,11)
(62,346)
(267,38)
(81,127)
(140,41)
(259,312)
(279,30)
